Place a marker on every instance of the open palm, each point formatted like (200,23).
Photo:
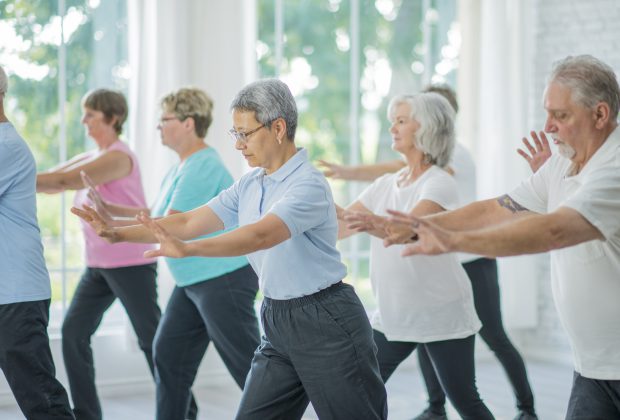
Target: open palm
(169,246)
(429,239)
(97,222)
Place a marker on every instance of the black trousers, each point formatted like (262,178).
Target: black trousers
(485,286)
(316,348)
(219,310)
(26,360)
(453,361)
(593,399)
(136,288)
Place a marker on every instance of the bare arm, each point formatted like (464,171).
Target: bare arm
(360,172)
(354,208)
(264,234)
(70,163)
(188,225)
(110,210)
(365,221)
(105,168)
(473,216)
(531,234)
(480,213)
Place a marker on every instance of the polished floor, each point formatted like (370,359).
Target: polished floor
(551,383)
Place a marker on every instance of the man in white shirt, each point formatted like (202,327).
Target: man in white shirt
(571,207)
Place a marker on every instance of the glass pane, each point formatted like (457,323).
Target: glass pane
(394,58)
(95,34)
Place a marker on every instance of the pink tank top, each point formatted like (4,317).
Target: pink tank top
(126,191)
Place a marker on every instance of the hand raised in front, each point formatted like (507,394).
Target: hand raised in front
(364,222)
(94,196)
(539,153)
(428,238)
(97,222)
(169,246)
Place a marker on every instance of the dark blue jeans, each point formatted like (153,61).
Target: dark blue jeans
(136,288)
(219,310)
(594,399)
(26,360)
(485,286)
(316,348)
(453,361)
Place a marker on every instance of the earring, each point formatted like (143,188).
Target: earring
(279,140)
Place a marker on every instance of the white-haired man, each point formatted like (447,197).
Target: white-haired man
(25,356)
(570,207)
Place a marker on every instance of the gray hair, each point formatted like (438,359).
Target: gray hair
(435,137)
(4,82)
(590,81)
(269,99)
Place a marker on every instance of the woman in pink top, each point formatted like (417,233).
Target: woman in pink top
(112,271)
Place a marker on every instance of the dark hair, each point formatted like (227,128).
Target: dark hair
(111,102)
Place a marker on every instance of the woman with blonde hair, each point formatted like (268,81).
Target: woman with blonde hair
(213,300)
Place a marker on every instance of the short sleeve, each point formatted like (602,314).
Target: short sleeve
(442,190)
(368,197)
(304,206)
(533,193)
(197,185)
(598,200)
(226,205)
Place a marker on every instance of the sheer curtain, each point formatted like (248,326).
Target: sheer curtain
(494,88)
(175,43)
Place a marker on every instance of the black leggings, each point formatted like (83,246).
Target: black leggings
(136,288)
(454,362)
(483,275)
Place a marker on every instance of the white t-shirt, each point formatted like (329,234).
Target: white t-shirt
(421,298)
(585,278)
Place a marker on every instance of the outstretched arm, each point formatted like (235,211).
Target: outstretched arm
(105,168)
(264,234)
(105,208)
(360,172)
(186,226)
(473,216)
(531,234)
(384,227)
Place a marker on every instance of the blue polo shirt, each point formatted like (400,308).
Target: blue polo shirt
(299,195)
(23,275)
(187,186)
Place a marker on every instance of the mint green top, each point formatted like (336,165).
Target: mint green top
(188,185)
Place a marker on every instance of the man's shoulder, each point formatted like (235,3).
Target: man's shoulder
(12,143)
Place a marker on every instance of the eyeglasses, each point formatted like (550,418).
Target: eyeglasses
(243,137)
(164,120)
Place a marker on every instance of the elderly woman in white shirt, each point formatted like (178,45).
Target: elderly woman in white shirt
(421,299)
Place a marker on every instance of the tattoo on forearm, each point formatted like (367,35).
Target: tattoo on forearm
(507,202)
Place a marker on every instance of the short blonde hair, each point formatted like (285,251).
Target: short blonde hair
(191,103)
(111,102)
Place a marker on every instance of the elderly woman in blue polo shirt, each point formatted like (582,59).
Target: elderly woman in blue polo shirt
(318,343)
